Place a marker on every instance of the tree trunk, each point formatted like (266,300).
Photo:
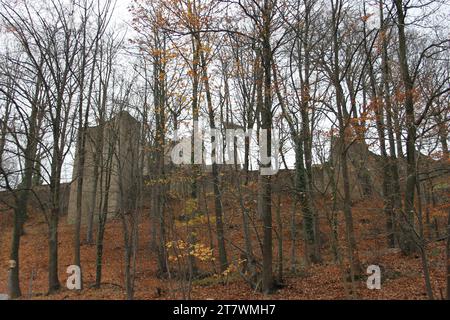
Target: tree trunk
(215,171)
(93,199)
(105,178)
(350,233)
(394,188)
(20,210)
(265,182)
(386,165)
(53,281)
(304,200)
(13,279)
(280,241)
(407,223)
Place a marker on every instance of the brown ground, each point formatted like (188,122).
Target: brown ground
(402,277)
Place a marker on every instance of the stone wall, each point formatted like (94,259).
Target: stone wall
(122,136)
(119,157)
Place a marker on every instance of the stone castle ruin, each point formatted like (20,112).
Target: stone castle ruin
(115,151)
(111,166)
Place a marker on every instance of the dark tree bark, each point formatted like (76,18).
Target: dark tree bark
(23,194)
(395,203)
(215,170)
(265,182)
(386,163)
(345,135)
(407,219)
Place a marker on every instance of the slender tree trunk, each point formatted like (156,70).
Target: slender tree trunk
(394,188)
(265,182)
(352,246)
(303,198)
(99,246)
(93,199)
(423,246)
(344,132)
(19,219)
(105,185)
(195,109)
(355,264)
(53,280)
(215,170)
(20,210)
(293,237)
(55,190)
(98,142)
(280,241)
(13,277)
(407,224)
(160,139)
(306,132)
(79,206)
(386,164)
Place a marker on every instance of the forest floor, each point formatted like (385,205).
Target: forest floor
(402,276)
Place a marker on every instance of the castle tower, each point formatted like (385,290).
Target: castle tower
(119,158)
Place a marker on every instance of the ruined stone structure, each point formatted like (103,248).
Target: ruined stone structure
(121,157)
(117,155)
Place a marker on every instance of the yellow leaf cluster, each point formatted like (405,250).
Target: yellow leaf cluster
(182,250)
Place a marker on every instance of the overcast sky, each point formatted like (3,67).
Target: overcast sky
(122,18)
